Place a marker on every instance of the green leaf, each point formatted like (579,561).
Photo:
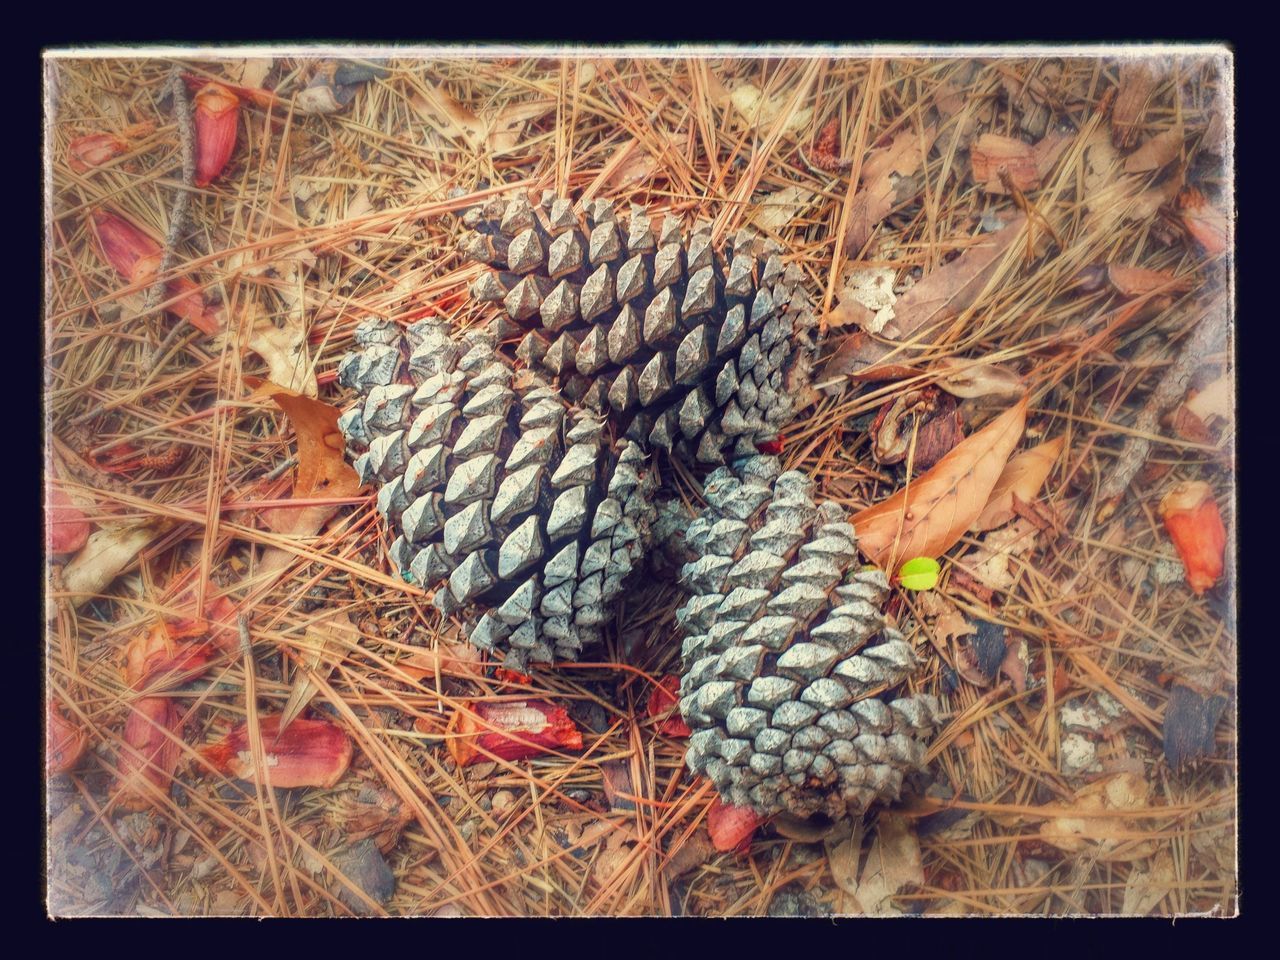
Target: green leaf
(919,573)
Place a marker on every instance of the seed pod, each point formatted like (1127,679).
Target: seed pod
(217,115)
(67,529)
(93,150)
(149,754)
(1191,516)
(161,652)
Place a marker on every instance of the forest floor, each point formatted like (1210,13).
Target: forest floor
(974,229)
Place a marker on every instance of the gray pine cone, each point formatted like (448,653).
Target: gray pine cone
(787,654)
(694,349)
(511,498)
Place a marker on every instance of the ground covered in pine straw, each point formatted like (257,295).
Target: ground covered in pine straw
(1051,224)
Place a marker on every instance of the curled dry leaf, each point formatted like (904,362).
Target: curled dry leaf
(774,211)
(323,471)
(1203,221)
(149,754)
(322,641)
(1025,165)
(374,812)
(64,741)
(1191,516)
(928,516)
(990,562)
(1159,151)
(1023,476)
(893,862)
(967,379)
(1093,826)
(108,551)
(1137,84)
(884,170)
(759,112)
(661,707)
(515,730)
(310,753)
(167,653)
(731,827)
(1136,281)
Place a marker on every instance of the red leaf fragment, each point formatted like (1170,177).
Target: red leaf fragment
(67,529)
(662,703)
(217,114)
(157,653)
(84,153)
(64,741)
(731,827)
(510,731)
(309,753)
(150,754)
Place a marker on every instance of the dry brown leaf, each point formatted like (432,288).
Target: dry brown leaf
(779,208)
(1135,281)
(1137,84)
(322,472)
(450,118)
(1107,837)
(884,169)
(1025,164)
(843,857)
(1203,221)
(284,349)
(966,379)
(1146,888)
(938,297)
(108,551)
(323,639)
(893,863)
(505,128)
(928,516)
(759,112)
(990,562)
(1157,152)
(1024,475)
(451,660)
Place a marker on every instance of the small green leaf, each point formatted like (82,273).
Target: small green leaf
(919,573)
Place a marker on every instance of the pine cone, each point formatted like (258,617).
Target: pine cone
(489,478)
(786,654)
(693,349)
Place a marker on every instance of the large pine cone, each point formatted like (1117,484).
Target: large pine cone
(497,485)
(788,661)
(688,347)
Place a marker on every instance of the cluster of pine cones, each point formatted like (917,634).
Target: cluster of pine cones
(522,484)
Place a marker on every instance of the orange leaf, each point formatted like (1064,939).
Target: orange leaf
(662,703)
(1023,477)
(1191,516)
(156,654)
(927,517)
(322,469)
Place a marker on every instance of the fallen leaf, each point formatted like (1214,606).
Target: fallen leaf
(870,288)
(990,562)
(64,741)
(613,857)
(618,788)
(992,153)
(924,308)
(968,379)
(450,118)
(773,212)
(893,863)
(511,730)
(928,516)
(638,166)
(692,854)
(149,754)
(759,111)
(168,653)
(450,660)
(108,551)
(662,706)
(1157,152)
(1191,516)
(1146,888)
(1135,281)
(377,813)
(323,639)
(1137,84)
(322,471)
(66,529)
(731,827)
(1017,665)
(884,169)
(1203,221)
(310,753)
(1023,476)
(844,856)
(978,658)
(1106,837)
(505,128)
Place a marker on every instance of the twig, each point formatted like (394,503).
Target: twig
(178,212)
(1171,388)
